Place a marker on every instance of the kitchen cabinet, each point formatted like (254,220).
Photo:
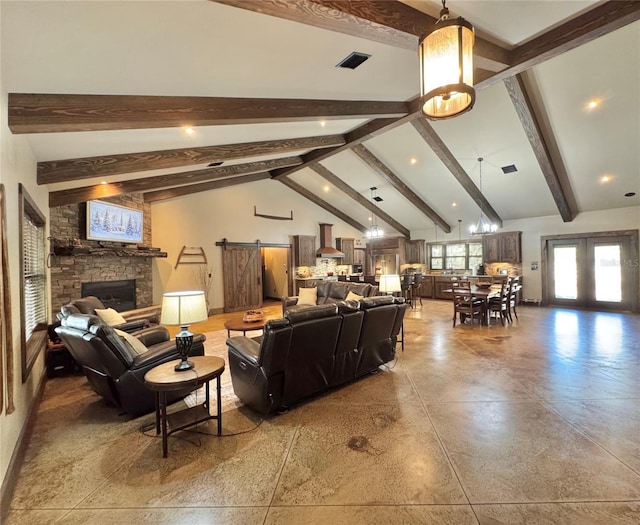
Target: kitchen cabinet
(502,247)
(304,250)
(426,286)
(359,256)
(414,251)
(346,246)
(440,284)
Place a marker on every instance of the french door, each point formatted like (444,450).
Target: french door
(591,272)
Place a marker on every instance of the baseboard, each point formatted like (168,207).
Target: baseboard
(19,452)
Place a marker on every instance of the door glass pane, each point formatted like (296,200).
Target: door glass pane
(608,274)
(565,272)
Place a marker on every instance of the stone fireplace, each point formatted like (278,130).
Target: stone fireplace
(119,295)
(69,272)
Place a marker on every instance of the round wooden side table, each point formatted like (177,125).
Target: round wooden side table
(163,378)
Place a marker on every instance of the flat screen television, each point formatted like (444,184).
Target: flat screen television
(110,222)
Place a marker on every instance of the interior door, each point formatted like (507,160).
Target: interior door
(590,272)
(242,278)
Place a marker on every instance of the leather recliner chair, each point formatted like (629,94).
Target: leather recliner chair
(115,369)
(137,319)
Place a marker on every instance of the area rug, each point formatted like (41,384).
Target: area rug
(216,345)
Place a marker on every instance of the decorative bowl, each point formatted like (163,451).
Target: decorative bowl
(253,316)
(484,285)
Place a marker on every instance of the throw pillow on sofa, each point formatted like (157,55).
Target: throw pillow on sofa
(133,345)
(353,296)
(307,296)
(110,317)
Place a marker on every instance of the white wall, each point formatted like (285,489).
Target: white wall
(17,164)
(534,228)
(204,218)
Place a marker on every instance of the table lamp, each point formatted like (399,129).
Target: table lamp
(389,284)
(182,309)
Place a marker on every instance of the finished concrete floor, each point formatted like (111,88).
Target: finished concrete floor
(537,422)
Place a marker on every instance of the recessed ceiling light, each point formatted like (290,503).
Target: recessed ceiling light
(323,123)
(325,188)
(103,182)
(630,194)
(369,219)
(414,160)
(188,131)
(592,104)
(454,204)
(605,178)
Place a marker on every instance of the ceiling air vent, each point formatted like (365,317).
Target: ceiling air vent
(353,60)
(378,199)
(214,164)
(511,168)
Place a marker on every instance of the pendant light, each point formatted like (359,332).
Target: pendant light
(374,232)
(482,226)
(446,68)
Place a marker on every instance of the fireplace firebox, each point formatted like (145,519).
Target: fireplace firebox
(119,295)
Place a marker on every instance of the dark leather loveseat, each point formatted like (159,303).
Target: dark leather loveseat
(114,368)
(313,349)
(331,292)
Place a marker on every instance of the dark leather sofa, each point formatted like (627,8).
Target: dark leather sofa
(331,292)
(313,349)
(135,319)
(114,370)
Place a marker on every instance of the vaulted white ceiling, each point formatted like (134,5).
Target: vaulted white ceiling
(203,48)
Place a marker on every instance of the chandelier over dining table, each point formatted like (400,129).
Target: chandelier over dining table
(483,225)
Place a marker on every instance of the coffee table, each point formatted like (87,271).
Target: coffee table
(239,325)
(163,378)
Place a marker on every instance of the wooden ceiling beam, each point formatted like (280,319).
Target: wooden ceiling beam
(447,158)
(354,137)
(301,190)
(101,191)
(580,30)
(179,191)
(50,172)
(396,182)
(49,113)
(391,23)
(541,141)
(333,179)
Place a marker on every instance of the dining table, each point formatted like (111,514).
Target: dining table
(484,293)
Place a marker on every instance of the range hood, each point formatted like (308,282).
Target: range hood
(326,250)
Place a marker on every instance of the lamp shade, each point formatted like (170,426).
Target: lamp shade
(446,69)
(389,283)
(183,308)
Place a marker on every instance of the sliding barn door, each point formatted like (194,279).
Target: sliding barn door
(242,277)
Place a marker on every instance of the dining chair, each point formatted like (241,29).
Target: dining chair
(416,288)
(407,283)
(513,298)
(466,306)
(501,304)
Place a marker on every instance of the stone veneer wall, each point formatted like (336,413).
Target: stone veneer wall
(68,272)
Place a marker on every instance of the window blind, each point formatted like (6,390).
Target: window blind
(34,273)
